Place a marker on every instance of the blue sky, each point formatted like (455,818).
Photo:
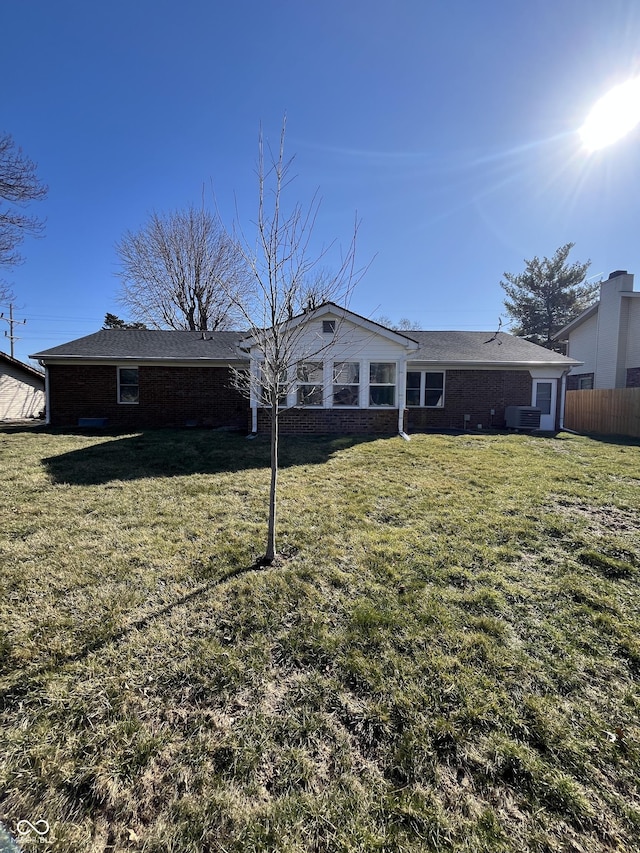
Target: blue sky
(449,127)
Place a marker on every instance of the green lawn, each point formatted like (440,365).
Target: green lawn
(446,658)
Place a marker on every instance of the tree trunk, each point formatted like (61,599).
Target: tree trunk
(270,554)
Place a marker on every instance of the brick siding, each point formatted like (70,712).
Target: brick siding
(174,396)
(332,421)
(474,393)
(168,396)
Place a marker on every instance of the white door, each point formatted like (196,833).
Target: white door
(544,398)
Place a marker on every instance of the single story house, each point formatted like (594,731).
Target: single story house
(605,338)
(21,389)
(347,374)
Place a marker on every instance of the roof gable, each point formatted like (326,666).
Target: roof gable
(331,309)
(20,365)
(579,320)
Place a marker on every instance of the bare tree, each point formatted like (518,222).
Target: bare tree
(182,270)
(288,282)
(6,293)
(19,184)
(404,324)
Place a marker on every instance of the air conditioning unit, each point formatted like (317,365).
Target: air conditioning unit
(522,417)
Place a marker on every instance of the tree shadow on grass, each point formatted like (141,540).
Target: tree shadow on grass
(178,453)
(21,682)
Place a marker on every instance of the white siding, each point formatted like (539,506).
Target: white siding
(351,342)
(612,327)
(609,342)
(582,345)
(21,394)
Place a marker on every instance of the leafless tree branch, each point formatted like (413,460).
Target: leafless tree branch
(19,184)
(182,270)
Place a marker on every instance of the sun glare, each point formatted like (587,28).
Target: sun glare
(613,116)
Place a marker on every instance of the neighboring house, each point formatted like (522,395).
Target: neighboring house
(606,338)
(21,390)
(350,375)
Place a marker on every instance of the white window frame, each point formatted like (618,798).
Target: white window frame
(335,384)
(122,385)
(393,385)
(319,365)
(423,388)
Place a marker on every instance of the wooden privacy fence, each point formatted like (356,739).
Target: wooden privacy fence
(610,412)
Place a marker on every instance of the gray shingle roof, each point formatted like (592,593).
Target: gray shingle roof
(482,347)
(435,347)
(146,344)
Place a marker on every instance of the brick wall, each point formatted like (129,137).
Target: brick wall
(173,396)
(332,421)
(573,380)
(169,396)
(475,393)
(633,377)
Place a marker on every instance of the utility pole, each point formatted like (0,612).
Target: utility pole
(11,323)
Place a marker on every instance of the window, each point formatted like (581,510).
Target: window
(346,383)
(328,327)
(310,383)
(265,387)
(414,387)
(128,389)
(382,383)
(425,388)
(585,383)
(434,390)
(543,397)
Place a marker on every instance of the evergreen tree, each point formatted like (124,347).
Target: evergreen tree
(112,321)
(545,297)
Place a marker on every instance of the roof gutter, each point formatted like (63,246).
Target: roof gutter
(496,365)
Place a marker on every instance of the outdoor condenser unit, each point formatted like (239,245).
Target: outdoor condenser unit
(522,417)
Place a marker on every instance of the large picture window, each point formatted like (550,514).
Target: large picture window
(425,388)
(382,383)
(346,383)
(310,383)
(128,388)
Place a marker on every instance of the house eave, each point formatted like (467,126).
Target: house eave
(586,314)
(147,360)
(494,365)
(20,365)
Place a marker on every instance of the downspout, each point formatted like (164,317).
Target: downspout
(47,395)
(402,384)
(563,391)
(253,395)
